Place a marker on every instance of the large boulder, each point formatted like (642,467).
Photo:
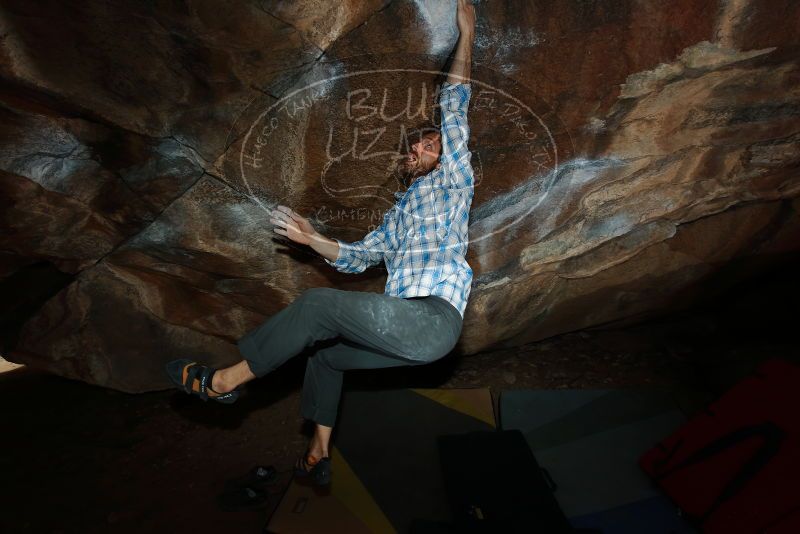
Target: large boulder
(625,153)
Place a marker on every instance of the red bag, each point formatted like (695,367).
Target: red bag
(736,468)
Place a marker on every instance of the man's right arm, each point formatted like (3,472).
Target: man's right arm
(327,248)
(356,257)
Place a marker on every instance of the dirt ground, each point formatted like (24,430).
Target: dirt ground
(80,458)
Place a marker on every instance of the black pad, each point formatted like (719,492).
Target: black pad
(494,484)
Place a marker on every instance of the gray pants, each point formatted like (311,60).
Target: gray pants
(376,331)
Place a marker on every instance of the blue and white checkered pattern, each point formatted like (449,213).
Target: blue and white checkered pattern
(423,238)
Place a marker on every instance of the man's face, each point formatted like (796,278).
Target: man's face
(422,158)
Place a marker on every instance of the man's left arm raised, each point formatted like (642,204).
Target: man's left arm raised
(454,102)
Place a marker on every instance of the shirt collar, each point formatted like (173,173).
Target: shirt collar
(430,177)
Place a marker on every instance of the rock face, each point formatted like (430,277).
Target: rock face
(625,152)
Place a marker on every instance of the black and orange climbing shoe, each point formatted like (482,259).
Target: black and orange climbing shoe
(195,379)
(319,469)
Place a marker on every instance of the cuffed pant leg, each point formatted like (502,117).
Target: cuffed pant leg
(322,386)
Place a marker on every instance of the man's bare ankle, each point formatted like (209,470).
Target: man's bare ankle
(317,451)
(219,384)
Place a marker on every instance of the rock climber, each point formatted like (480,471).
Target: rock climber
(417,320)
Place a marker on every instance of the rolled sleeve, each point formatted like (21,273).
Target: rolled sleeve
(456,157)
(341,259)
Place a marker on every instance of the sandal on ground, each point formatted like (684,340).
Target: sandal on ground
(242,498)
(258,477)
(195,379)
(319,469)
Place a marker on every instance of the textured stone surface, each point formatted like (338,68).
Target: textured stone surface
(625,152)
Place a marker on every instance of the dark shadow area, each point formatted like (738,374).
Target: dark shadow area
(748,316)
(97,460)
(23,293)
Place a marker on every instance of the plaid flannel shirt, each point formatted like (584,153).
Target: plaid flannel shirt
(423,238)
